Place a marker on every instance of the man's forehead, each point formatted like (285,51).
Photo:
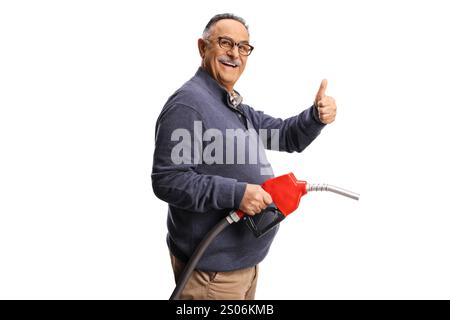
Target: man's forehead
(230,28)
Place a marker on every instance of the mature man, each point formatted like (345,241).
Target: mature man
(200,192)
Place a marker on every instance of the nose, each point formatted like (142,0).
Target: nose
(234,52)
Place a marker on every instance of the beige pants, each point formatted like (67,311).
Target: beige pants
(230,285)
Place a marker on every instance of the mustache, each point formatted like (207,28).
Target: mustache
(226,59)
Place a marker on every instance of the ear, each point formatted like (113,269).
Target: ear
(201,47)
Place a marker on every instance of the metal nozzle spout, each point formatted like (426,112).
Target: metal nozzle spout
(327,187)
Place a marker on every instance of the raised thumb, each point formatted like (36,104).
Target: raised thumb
(322,89)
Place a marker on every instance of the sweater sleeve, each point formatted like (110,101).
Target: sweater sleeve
(175,159)
(294,133)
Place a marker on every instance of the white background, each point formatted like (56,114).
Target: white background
(81,85)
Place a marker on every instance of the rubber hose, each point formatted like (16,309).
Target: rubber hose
(196,256)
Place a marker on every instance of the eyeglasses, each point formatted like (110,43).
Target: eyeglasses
(228,44)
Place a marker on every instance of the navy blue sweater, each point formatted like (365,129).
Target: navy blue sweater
(201,190)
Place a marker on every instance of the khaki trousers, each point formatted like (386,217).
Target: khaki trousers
(230,285)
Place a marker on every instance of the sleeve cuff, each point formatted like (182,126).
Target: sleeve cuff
(315,113)
(239,190)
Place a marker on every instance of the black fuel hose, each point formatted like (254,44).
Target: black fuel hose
(196,256)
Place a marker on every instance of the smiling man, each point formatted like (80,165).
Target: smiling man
(200,193)
(222,57)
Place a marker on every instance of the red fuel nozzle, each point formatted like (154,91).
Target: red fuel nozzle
(286,192)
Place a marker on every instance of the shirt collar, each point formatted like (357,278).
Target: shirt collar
(235,99)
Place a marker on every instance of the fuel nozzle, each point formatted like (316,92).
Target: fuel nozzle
(286,192)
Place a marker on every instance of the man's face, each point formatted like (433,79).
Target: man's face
(225,66)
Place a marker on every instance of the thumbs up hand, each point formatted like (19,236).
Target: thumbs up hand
(326,106)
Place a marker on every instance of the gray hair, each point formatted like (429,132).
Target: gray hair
(218,17)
